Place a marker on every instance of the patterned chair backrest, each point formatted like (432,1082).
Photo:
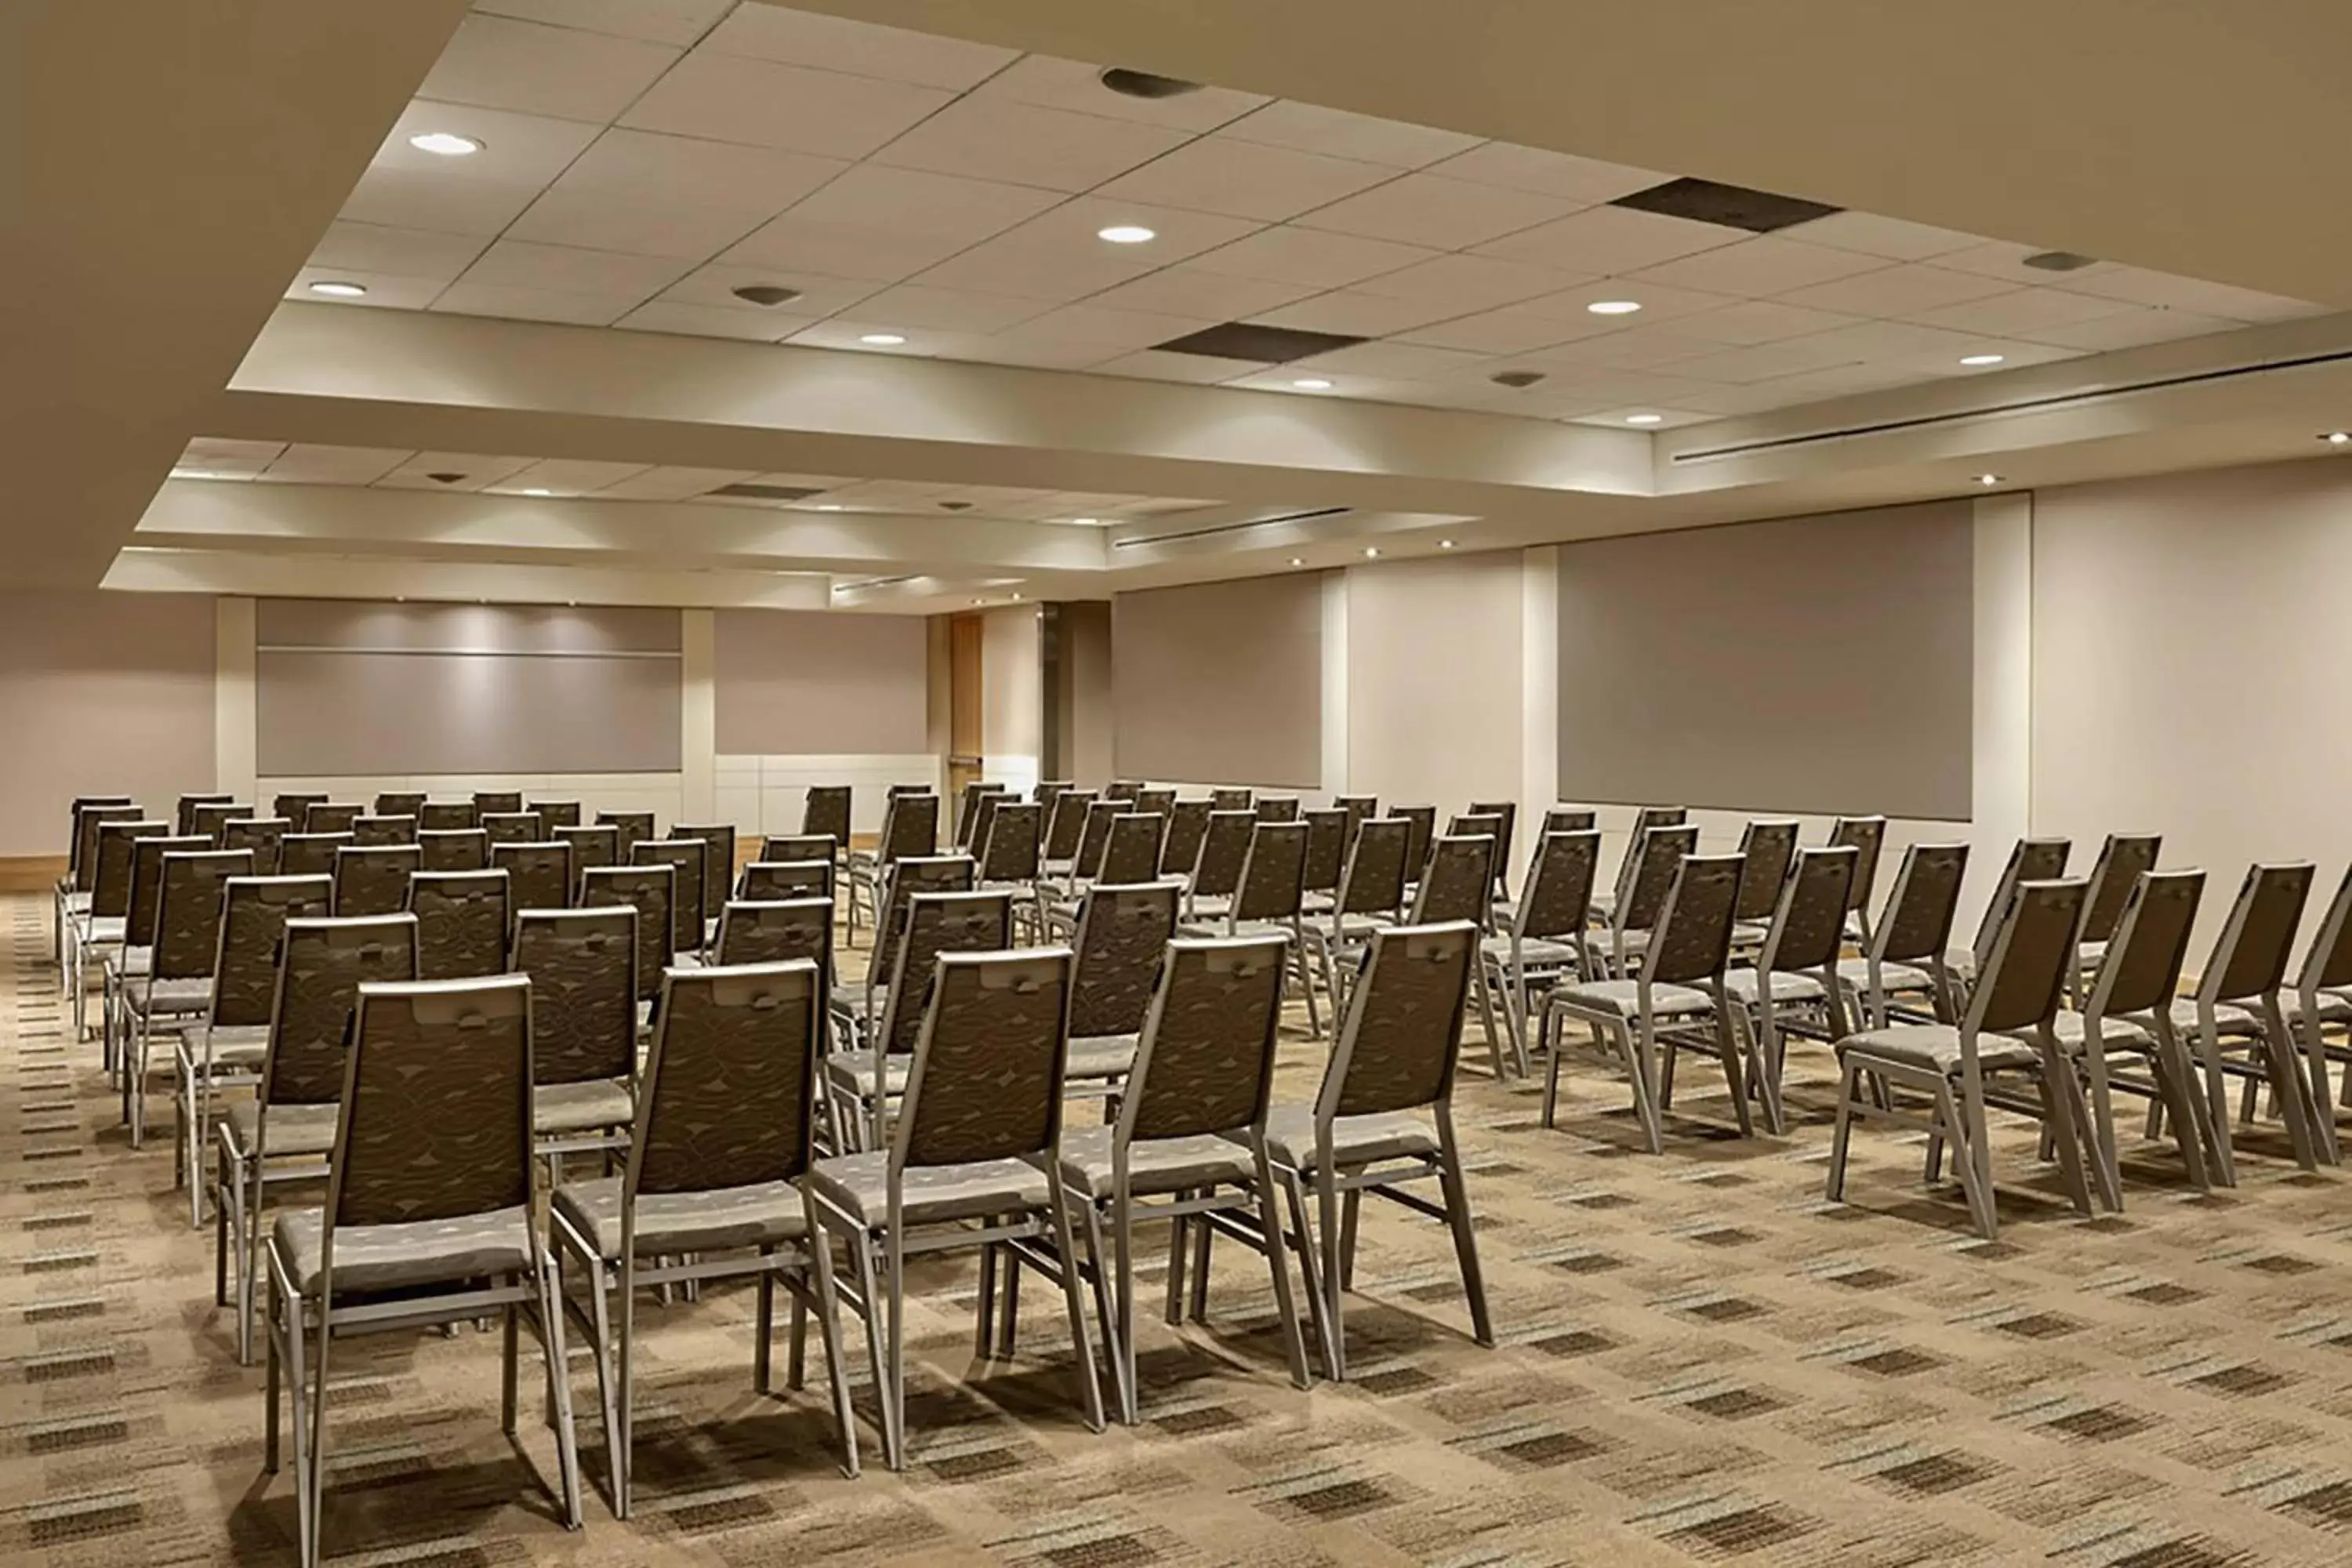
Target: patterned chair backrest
(775,932)
(400,802)
(800,846)
(938,923)
(118,841)
(582,965)
(767,881)
(374,832)
(1155,802)
(453,849)
(896,790)
(1067,824)
(1768,846)
(321,965)
(968,811)
(2251,956)
(1123,934)
(188,910)
(824,813)
(183,817)
(1570,819)
(555,813)
(989,1054)
(513,827)
(629,827)
(265,836)
(1693,939)
(88,818)
(1188,824)
(1423,819)
(1229,800)
(1327,849)
(1273,876)
(690,857)
(913,874)
(911,825)
(294,807)
(1660,856)
(1373,883)
(2329,962)
(311,854)
(1508,811)
(1808,930)
(597,846)
(447,816)
(2032,860)
(210,818)
(331,816)
(1122,790)
(2032,953)
(2121,861)
(1009,851)
(1095,833)
(648,889)
(729,1088)
(1361,810)
(1048,791)
(2141,969)
(1397,1042)
(1206,1062)
(1646,819)
(436,1122)
(254,912)
(462,920)
(1917,922)
(718,862)
(373,881)
(1218,870)
(1276,808)
(1868,835)
(487,800)
(1557,897)
(147,883)
(1131,853)
(1457,883)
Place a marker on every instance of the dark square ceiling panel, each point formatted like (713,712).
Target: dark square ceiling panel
(1733,206)
(1269,345)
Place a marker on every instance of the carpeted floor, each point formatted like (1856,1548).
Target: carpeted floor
(1700,1363)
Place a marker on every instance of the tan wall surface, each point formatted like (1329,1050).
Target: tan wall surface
(1434,680)
(1221,682)
(812,683)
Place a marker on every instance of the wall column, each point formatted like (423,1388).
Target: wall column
(2001,783)
(697,770)
(235,725)
(1335,683)
(1538,683)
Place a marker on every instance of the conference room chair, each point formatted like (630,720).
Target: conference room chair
(1121,936)
(1276,808)
(264,836)
(331,816)
(2122,857)
(690,859)
(1617,948)
(71,895)
(1392,1065)
(1555,819)
(514,827)
(555,813)
(1217,869)
(177,985)
(1792,986)
(718,868)
(1132,850)
(1544,936)
(284,1132)
(975,1162)
(210,818)
(1065,824)
(184,815)
(1507,813)
(98,935)
(1008,856)
(631,828)
(2002,1045)
(1327,855)
(1047,791)
(1359,809)
(1422,820)
(825,813)
(1905,959)
(860,1085)
(1187,825)
(400,802)
(373,881)
(767,880)
(1086,858)
(651,892)
(1673,1000)
(596,845)
(1768,848)
(911,825)
(1230,799)
(463,921)
(453,850)
(1648,819)
(1489,825)
(983,814)
(585,984)
(419,1232)
(135,958)
(447,816)
(1867,835)
(505,801)
(2030,860)
(295,806)
(1371,895)
(1123,790)
(539,876)
(775,930)
(2318,1011)
(378,832)
(1155,800)
(713,1188)
(1267,902)
(909,876)
(967,810)
(778,846)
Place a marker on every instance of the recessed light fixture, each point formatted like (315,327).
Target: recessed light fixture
(446,143)
(1615,306)
(340,289)
(1980,360)
(1445,544)
(882,340)
(1127,234)
(1371,552)
(1312,383)
(1086,522)
(1988,479)
(2337,437)
(1645,419)
(1016,598)
(1294,560)
(978,602)
(829,506)
(538,492)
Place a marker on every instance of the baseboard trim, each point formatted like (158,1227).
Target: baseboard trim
(30,873)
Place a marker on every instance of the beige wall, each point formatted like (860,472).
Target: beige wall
(1434,680)
(1082,697)
(795,682)
(1221,682)
(101,694)
(1012,692)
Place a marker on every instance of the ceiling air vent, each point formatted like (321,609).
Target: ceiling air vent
(1133,540)
(1144,84)
(1247,339)
(2059,261)
(1517,379)
(445,479)
(749,492)
(765,293)
(1733,206)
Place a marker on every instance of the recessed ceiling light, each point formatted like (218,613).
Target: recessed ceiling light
(2337,437)
(979,601)
(538,492)
(1373,551)
(1988,478)
(340,290)
(1615,306)
(1294,560)
(1086,522)
(829,506)
(447,143)
(1016,597)
(1312,383)
(1983,359)
(882,340)
(1127,233)
(1445,544)
(1645,419)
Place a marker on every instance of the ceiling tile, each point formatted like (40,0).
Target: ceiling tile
(1759,322)
(2137,326)
(1892,340)
(385,291)
(2003,258)
(513,263)
(1311,128)
(566,476)
(519,304)
(1444,215)
(712,321)
(527,67)
(517,149)
(1763,362)
(1896,290)
(948,310)
(1509,330)
(1284,379)
(670,483)
(1112,330)
(1154,365)
(1831,381)
(1637,348)
(303,464)
(1074,229)
(1659,303)
(1585,181)
(2015,353)
(423,199)
(1053,83)
(1763,266)
(1393,361)
(792,243)
(1653,418)
(398,252)
(2141,287)
(1603,240)
(645,227)
(1890,238)
(859,49)
(1187,291)
(922,343)
(1010,348)
(1008,265)
(1218,175)
(729,98)
(2023,312)
(1469,282)
(644,166)
(1359,314)
(997,139)
(819,296)
(474,470)
(889,222)
(225,447)
(1310,256)
(677,22)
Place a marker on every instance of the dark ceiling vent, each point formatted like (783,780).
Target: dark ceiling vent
(749,492)
(955,505)
(765,293)
(1516,378)
(1134,541)
(1248,341)
(2059,261)
(1144,84)
(445,478)
(1733,206)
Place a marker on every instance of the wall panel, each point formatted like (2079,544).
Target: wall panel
(821,684)
(1221,681)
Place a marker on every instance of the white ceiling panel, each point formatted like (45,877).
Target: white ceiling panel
(712,321)
(521,304)
(566,476)
(1156,364)
(303,464)
(2024,312)
(1445,214)
(1509,330)
(1012,348)
(1470,283)
(677,22)
(1021,144)
(948,310)
(1069,84)
(1219,176)
(2006,260)
(1760,267)
(1653,417)
(1311,127)
(516,148)
(385,290)
(422,199)
(1603,240)
(2137,326)
(819,296)
(727,98)
(227,448)
(474,470)
(843,250)
(531,68)
(1903,290)
(911,202)
(1890,238)
(671,483)
(396,252)
(921,342)
(1009,265)
(1311,256)
(1393,361)
(521,264)
(1636,348)
(2141,287)
(859,49)
(646,167)
(1759,322)
(683,230)
(1584,181)
(1075,228)
(1362,315)
(1113,331)
(1659,303)
(1189,292)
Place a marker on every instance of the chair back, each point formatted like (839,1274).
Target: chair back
(1217,871)
(1094,835)
(651,890)
(1273,876)
(1768,846)
(1124,790)
(539,876)
(183,817)
(1067,825)
(718,862)
(321,963)
(1122,935)
(462,920)
(1373,883)
(986,1082)
(2250,959)
(729,1092)
(1205,1061)
(513,827)
(1693,939)
(1276,808)
(582,965)
(2140,971)
(76,847)
(294,806)
(555,813)
(1570,819)
(894,791)
(1009,851)
(188,908)
(373,881)
(1358,810)
(690,857)
(487,800)
(1327,849)
(2328,965)
(1643,899)
(937,924)
(1229,800)
(209,818)
(1507,813)
(147,883)
(374,832)
(400,802)
(1644,820)
(1422,820)
(311,854)
(447,816)
(1047,791)
(1807,931)
(597,846)
(1867,835)
(1131,852)
(769,881)
(436,1123)
(265,836)
(454,849)
(967,819)
(1154,801)
(1188,824)
(824,813)
(331,816)
(1458,882)
(629,827)
(83,856)
(2122,857)
(118,843)
(1557,897)
(1398,1041)
(1915,926)
(775,931)
(912,875)
(911,825)
(2032,860)
(778,846)
(254,912)
(2030,955)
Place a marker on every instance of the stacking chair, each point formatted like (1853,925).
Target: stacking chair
(1647,820)
(462,921)
(1422,822)
(373,881)
(1008,856)
(447,816)
(911,825)
(1456,882)
(555,813)
(800,846)
(690,858)
(377,832)
(1217,869)
(265,836)
(598,846)
(1191,1130)
(453,850)
(2321,1000)
(2031,860)
(967,819)
(183,817)
(1122,790)
(224,1048)
(1187,825)
(400,802)
(1230,799)
(984,812)
(894,791)
(713,1188)
(135,958)
(910,875)
(1793,987)
(513,827)
(2115,873)
(1674,999)
(1767,846)
(1327,855)
(766,881)
(506,801)
(824,813)
(1267,903)
(860,1085)
(539,876)
(651,892)
(2004,1046)
(1063,827)
(717,869)
(1546,939)
(1507,815)
(177,986)
(1276,808)
(1371,895)
(1359,809)
(1047,791)
(72,894)
(1394,1058)
(630,827)
(419,1231)
(1093,833)
(775,931)
(975,1162)
(311,854)
(1867,835)
(100,935)
(210,818)
(286,1130)
(295,807)
(328,817)
(1132,850)
(1908,945)
(1157,801)
(1122,935)
(585,984)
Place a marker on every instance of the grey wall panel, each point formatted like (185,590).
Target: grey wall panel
(810,683)
(1221,682)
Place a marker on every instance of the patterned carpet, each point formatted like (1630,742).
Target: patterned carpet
(1701,1363)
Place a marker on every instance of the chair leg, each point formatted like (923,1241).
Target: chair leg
(297,1372)
(1106,1315)
(1318,1304)
(1326,1200)
(893,1377)
(2172,1083)
(1833,1189)
(836,1365)
(510,1334)
(601,1347)
(1735,1073)
(1487,1021)
(559,1387)
(1555,1035)
(1120,1331)
(2061,1111)
(1460,1220)
(763,1313)
(1633,1041)
(1347,1207)
(318,1469)
(1074,1299)
(1970,1158)
(861,1247)
(1306,981)
(1204,1241)
(1277,1259)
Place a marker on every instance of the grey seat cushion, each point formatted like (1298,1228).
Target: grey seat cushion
(766,1213)
(854,1071)
(132,962)
(102,931)
(1621,998)
(1937,1047)
(147,994)
(2334,1006)
(293,1129)
(1741,986)
(582,1107)
(370,1258)
(2073,1031)
(1101,1055)
(1534,951)
(1155,1165)
(1354,1140)
(2230,1020)
(1856,971)
(77,903)
(240,1047)
(858,1185)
